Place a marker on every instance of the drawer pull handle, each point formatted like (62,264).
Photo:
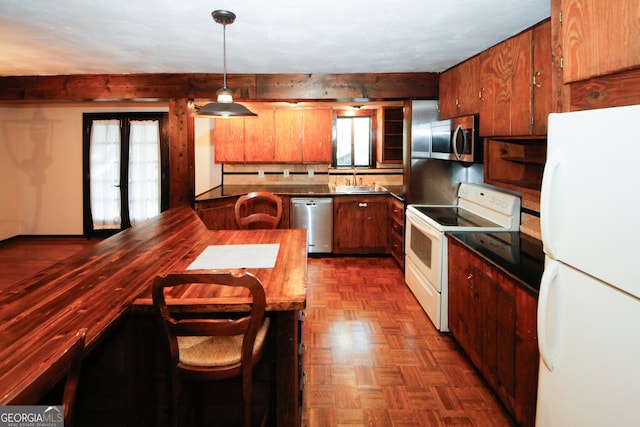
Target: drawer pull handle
(362,205)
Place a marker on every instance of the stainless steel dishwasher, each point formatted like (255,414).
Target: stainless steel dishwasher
(316,215)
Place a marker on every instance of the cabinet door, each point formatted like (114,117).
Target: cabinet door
(506,87)
(494,321)
(463,303)
(599,37)
(448,94)
(348,226)
(375,224)
(527,357)
(459,89)
(317,131)
(228,140)
(498,328)
(259,143)
(469,86)
(541,80)
(360,224)
(288,133)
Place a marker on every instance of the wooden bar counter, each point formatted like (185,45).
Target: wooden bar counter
(96,288)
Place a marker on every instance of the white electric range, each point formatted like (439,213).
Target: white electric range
(478,209)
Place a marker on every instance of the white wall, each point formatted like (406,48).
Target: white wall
(208,174)
(41,165)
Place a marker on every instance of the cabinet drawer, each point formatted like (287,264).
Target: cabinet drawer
(396,210)
(396,245)
(397,230)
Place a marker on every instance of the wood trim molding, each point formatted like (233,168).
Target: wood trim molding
(181,152)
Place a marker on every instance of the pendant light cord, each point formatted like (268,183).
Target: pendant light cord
(224,54)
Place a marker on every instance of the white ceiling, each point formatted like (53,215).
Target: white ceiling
(48,37)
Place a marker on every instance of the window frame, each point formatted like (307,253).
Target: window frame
(125,118)
(350,113)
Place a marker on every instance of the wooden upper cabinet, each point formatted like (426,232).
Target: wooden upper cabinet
(460,89)
(228,140)
(390,146)
(448,93)
(317,131)
(599,37)
(506,87)
(542,75)
(276,136)
(516,84)
(288,134)
(259,137)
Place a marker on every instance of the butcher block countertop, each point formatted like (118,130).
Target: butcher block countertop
(95,288)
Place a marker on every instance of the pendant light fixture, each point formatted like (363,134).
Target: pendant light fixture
(224,106)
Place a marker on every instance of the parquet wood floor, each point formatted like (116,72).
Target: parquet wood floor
(373,357)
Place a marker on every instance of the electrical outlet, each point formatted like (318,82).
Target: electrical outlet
(286,173)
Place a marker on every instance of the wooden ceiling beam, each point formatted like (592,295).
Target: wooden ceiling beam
(127,87)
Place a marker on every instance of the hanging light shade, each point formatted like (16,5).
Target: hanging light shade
(224,105)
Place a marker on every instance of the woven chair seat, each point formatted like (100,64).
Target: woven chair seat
(217,351)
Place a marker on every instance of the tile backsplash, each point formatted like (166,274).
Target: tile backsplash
(307,174)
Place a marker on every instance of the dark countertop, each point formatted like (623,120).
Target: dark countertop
(219,192)
(516,254)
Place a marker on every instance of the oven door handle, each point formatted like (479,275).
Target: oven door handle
(428,231)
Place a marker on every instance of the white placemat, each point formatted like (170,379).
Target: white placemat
(224,257)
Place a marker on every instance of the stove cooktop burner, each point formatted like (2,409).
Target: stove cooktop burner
(452,216)
(447,220)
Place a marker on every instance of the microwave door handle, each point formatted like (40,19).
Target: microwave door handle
(455,142)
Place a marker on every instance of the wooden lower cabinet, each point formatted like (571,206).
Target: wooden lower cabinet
(396,230)
(218,214)
(360,224)
(363,224)
(493,319)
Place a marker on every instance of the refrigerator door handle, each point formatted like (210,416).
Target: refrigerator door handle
(546,204)
(544,343)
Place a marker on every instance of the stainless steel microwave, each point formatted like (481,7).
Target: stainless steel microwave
(456,139)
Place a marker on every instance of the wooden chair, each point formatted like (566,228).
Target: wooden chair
(203,348)
(258,209)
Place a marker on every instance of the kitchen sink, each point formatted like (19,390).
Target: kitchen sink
(357,189)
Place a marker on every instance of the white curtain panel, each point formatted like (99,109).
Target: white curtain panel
(104,159)
(144,170)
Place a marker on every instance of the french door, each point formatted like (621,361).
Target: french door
(125,170)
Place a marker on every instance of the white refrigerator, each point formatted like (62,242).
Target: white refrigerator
(589,301)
